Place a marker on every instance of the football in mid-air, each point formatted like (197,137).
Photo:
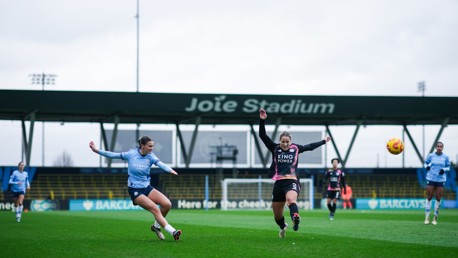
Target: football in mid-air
(395,146)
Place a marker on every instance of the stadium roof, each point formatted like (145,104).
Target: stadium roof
(78,106)
(216,109)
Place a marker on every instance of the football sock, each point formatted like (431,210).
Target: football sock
(169,229)
(293,209)
(19,211)
(333,208)
(157,225)
(437,206)
(281,222)
(330,207)
(427,207)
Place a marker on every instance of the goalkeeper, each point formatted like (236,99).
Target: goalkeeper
(285,158)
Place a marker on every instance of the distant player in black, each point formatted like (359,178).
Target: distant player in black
(336,179)
(285,158)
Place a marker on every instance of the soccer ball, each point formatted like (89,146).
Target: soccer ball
(395,146)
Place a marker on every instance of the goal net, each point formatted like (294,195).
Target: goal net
(238,193)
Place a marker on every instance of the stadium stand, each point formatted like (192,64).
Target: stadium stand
(78,186)
(192,186)
(386,186)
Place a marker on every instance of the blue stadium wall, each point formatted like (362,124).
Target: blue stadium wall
(7,205)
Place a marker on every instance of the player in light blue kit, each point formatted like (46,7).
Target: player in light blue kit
(19,181)
(141,192)
(437,164)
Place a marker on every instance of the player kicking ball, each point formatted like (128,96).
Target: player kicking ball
(285,158)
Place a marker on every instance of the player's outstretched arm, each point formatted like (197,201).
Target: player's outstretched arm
(107,154)
(262,131)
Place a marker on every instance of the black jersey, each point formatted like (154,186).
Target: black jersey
(336,179)
(284,163)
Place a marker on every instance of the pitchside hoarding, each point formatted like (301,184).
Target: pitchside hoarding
(126,204)
(102,205)
(390,204)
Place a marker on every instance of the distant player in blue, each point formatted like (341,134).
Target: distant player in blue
(437,164)
(285,159)
(19,181)
(141,192)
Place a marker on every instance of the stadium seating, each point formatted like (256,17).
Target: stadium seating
(78,186)
(385,186)
(363,185)
(192,186)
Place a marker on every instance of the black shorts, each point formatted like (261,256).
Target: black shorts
(135,192)
(281,187)
(436,184)
(333,194)
(16,194)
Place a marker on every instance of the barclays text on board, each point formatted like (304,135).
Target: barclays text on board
(102,205)
(395,204)
(252,105)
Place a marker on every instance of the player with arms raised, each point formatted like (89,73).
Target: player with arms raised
(285,158)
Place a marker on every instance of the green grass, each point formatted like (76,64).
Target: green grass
(228,234)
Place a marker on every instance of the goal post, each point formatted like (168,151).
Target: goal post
(256,193)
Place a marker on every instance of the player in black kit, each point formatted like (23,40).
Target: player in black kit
(285,158)
(336,179)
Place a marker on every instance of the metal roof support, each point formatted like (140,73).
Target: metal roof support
(182,146)
(358,125)
(444,124)
(28,144)
(258,146)
(193,141)
(187,154)
(104,141)
(104,136)
(413,144)
(113,137)
(335,146)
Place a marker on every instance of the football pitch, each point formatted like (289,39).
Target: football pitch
(218,233)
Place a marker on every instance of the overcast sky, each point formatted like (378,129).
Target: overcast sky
(253,46)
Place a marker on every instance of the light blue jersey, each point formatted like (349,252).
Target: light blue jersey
(19,181)
(436,163)
(138,166)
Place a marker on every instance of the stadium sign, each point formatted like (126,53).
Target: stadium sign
(102,205)
(44,205)
(231,204)
(387,204)
(6,206)
(220,104)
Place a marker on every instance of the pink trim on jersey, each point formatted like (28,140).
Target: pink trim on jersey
(339,175)
(293,165)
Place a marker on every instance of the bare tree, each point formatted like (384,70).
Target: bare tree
(64,160)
